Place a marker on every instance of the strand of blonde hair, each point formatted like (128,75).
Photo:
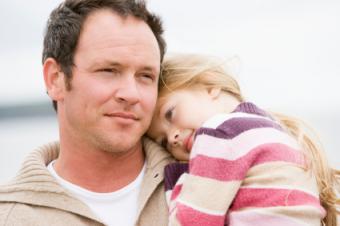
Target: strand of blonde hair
(328,179)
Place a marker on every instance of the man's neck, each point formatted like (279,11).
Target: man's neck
(99,171)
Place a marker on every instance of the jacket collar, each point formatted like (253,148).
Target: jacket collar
(156,159)
(35,186)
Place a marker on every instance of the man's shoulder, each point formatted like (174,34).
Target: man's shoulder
(17,214)
(5,212)
(21,214)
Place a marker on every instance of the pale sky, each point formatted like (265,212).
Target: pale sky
(287,51)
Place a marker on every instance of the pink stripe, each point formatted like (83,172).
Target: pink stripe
(226,170)
(175,192)
(190,217)
(271,197)
(260,219)
(240,145)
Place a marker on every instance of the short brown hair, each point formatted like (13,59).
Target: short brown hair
(65,23)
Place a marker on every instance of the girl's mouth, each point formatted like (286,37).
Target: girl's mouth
(188,142)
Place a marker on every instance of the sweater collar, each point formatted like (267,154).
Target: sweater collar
(35,186)
(248,107)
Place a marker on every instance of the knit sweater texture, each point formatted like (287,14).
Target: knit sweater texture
(34,197)
(244,170)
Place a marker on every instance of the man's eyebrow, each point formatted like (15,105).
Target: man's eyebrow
(109,63)
(150,68)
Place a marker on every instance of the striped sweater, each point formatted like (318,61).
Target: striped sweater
(244,169)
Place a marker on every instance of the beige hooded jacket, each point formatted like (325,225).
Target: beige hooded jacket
(34,198)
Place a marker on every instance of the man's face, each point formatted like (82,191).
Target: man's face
(114,84)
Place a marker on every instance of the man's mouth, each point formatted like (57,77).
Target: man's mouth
(123,115)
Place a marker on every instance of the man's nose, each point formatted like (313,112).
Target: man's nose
(128,91)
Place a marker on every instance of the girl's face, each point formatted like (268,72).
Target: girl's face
(179,115)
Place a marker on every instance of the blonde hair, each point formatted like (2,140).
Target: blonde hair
(183,71)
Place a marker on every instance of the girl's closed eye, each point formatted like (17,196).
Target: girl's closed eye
(169,114)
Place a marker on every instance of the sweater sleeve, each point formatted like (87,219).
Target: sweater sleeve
(204,195)
(172,173)
(222,154)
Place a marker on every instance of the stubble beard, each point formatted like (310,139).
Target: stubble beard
(116,145)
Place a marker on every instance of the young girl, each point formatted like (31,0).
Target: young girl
(247,166)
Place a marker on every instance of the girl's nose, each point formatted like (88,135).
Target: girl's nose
(174,138)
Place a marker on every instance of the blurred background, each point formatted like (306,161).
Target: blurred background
(286,55)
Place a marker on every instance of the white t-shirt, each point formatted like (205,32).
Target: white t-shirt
(117,208)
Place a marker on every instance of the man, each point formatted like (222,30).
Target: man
(101,64)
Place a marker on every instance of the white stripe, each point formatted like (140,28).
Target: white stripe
(200,209)
(247,217)
(181,179)
(240,145)
(284,187)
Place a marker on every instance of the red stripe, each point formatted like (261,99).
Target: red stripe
(190,217)
(271,197)
(175,192)
(226,170)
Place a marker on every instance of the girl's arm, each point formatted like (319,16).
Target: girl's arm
(222,159)
(210,186)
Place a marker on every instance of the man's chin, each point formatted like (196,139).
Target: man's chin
(122,145)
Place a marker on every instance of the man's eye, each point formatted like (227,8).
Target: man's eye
(147,77)
(109,70)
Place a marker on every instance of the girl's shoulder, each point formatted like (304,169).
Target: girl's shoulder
(238,122)
(245,113)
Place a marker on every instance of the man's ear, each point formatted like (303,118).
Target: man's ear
(214,92)
(54,79)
